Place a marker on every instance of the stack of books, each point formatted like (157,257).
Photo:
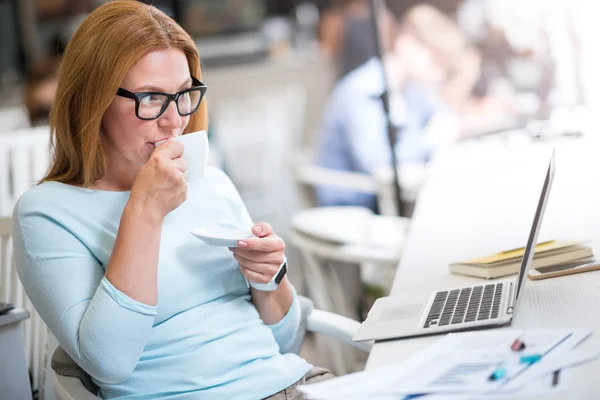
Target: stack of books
(509,262)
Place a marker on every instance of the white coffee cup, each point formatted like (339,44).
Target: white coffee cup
(195,153)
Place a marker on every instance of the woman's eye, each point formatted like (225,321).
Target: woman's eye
(151,99)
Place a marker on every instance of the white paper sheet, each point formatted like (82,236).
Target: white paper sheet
(461,364)
(538,388)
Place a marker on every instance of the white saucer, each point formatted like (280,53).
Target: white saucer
(219,236)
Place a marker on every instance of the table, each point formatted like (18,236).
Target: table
(480,198)
(352,236)
(14,376)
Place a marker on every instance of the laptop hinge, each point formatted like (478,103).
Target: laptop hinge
(511,299)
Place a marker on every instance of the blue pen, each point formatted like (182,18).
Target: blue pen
(531,359)
(498,373)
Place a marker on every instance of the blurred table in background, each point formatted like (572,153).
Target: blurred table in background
(338,245)
(348,235)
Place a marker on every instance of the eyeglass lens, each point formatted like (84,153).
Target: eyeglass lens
(151,105)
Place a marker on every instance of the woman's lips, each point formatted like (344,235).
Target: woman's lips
(160,141)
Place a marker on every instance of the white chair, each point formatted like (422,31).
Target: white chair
(344,235)
(317,321)
(24,159)
(11,291)
(307,175)
(342,246)
(13,118)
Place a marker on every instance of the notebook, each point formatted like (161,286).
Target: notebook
(507,262)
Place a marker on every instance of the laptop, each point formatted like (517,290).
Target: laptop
(484,305)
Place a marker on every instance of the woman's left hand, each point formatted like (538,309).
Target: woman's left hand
(260,257)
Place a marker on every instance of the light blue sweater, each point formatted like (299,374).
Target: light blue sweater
(204,339)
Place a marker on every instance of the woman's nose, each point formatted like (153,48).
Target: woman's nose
(170,118)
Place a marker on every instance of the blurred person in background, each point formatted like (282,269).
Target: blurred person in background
(40,89)
(431,71)
(42,77)
(346,33)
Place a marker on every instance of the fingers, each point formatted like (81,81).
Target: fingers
(171,149)
(260,257)
(262,229)
(256,272)
(180,164)
(268,244)
(255,276)
(251,256)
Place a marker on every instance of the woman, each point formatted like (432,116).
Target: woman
(103,245)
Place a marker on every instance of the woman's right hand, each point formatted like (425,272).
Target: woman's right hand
(160,186)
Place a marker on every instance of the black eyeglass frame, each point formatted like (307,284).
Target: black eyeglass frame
(138,96)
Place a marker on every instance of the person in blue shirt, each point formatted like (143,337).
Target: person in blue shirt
(103,245)
(354,135)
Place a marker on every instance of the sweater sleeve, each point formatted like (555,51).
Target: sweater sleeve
(101,328)
(286,330)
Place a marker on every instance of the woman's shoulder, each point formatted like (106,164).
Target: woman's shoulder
(81,211)
(44,192)
(39,205)
(49,198)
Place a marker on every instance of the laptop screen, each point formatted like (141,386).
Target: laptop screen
(535,229)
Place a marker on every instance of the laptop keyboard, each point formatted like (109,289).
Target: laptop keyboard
(468,304)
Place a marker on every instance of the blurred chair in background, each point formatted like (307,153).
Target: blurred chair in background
(308,176)
(24,158)
(346,253)
(11,291)
(349,235)
(13,118)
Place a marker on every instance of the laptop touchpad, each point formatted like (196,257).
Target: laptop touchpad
(400,312)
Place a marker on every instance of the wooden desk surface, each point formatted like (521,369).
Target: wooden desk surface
(479,199)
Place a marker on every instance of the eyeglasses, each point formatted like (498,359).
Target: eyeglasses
(151,105)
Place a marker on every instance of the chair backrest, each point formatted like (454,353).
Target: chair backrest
(13,118)
(307,175)
(24,159)
(11,291)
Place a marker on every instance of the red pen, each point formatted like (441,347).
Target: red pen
(517,345)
